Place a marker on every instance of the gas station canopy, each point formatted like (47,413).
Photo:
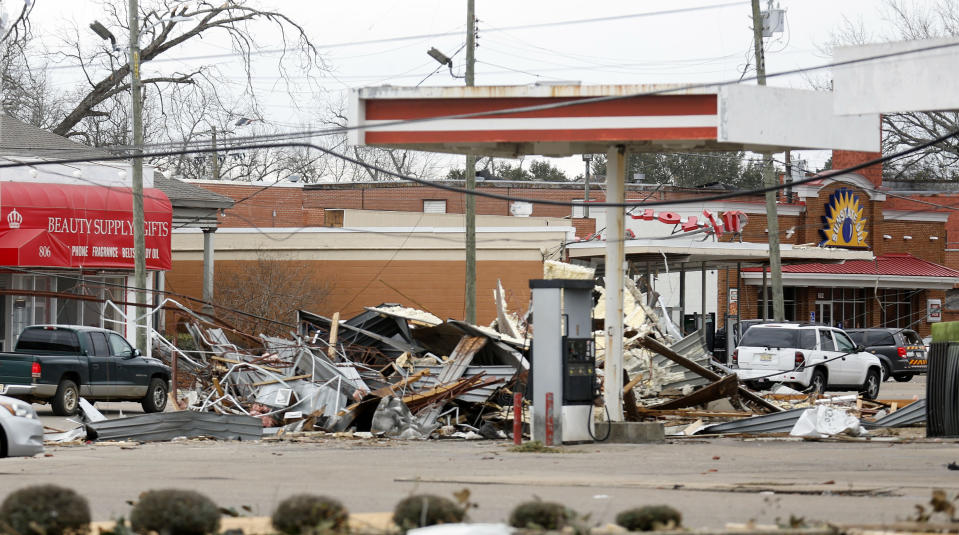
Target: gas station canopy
(562,120)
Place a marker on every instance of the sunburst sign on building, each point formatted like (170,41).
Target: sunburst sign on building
(844,224)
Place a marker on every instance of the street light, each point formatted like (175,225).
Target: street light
(442,59)
(139,238)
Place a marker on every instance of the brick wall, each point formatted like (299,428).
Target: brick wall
(842,159)
(433,286)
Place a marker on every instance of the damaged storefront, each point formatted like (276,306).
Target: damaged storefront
(66,249)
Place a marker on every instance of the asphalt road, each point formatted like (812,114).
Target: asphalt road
(712,481)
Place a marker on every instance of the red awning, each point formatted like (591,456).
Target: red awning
(64,225)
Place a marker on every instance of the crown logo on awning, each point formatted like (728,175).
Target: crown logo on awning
(14,218)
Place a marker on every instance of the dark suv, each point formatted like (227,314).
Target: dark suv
(901,351)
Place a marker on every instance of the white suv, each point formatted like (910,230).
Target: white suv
(815,357)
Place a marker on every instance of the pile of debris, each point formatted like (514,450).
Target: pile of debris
(392,371)
(400,372)
(674,380)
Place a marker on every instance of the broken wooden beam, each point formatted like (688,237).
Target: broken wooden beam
(334,329)
(723,388)
(654,345)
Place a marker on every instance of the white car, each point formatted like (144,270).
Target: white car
(811,357)
(21,432)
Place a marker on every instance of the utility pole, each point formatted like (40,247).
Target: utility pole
(139,239)
(470,174)
(216,155)
(769,180)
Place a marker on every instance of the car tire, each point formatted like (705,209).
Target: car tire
(870,388)
(817,383)
(66,402)
(155,400)
(903,377)
(886,372)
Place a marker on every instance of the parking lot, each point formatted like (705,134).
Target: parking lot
(712,481)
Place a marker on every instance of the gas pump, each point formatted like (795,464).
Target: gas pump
(564,383)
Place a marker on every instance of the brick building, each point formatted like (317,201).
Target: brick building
(907,232)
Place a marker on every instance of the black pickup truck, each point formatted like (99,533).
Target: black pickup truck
(58,364)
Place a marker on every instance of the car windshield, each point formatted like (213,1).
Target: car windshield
(770,337)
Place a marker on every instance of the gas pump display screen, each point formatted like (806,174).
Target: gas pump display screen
(579,371)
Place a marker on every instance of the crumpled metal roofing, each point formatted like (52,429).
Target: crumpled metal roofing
(160,426)
(912,414)
(777,422)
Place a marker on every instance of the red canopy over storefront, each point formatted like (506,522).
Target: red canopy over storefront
(63,225)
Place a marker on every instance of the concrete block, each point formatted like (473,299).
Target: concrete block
(634,432)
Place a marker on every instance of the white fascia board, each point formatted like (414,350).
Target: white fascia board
(781,117)
(805,191)
(912,215)
(902,81)
(112,173)
(355,117)
(526,91)
(846,280)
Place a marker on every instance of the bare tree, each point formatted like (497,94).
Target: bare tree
(269,288)
(373,160)
(908,21)
(163,29)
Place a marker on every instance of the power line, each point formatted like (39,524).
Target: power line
(455,189)
(445,34)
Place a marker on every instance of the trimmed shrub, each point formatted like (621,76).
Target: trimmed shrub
(649,518)
(305,514)
(44,510)
(175,512)
(423,510)
(540,515)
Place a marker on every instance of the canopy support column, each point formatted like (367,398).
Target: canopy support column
(615,273)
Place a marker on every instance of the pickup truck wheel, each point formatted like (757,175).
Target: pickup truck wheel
(903,377)
(817,384)
(67,399)
(870,389)
(155,400)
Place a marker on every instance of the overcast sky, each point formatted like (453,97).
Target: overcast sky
(711,44)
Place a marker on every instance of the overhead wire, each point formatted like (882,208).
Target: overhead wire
(364,42)
(572,103)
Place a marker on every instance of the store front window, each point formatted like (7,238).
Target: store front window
(26,310)
(849,308)
(789,303)
(897,307)
(841,307)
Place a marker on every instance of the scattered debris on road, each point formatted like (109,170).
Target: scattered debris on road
(398,372)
